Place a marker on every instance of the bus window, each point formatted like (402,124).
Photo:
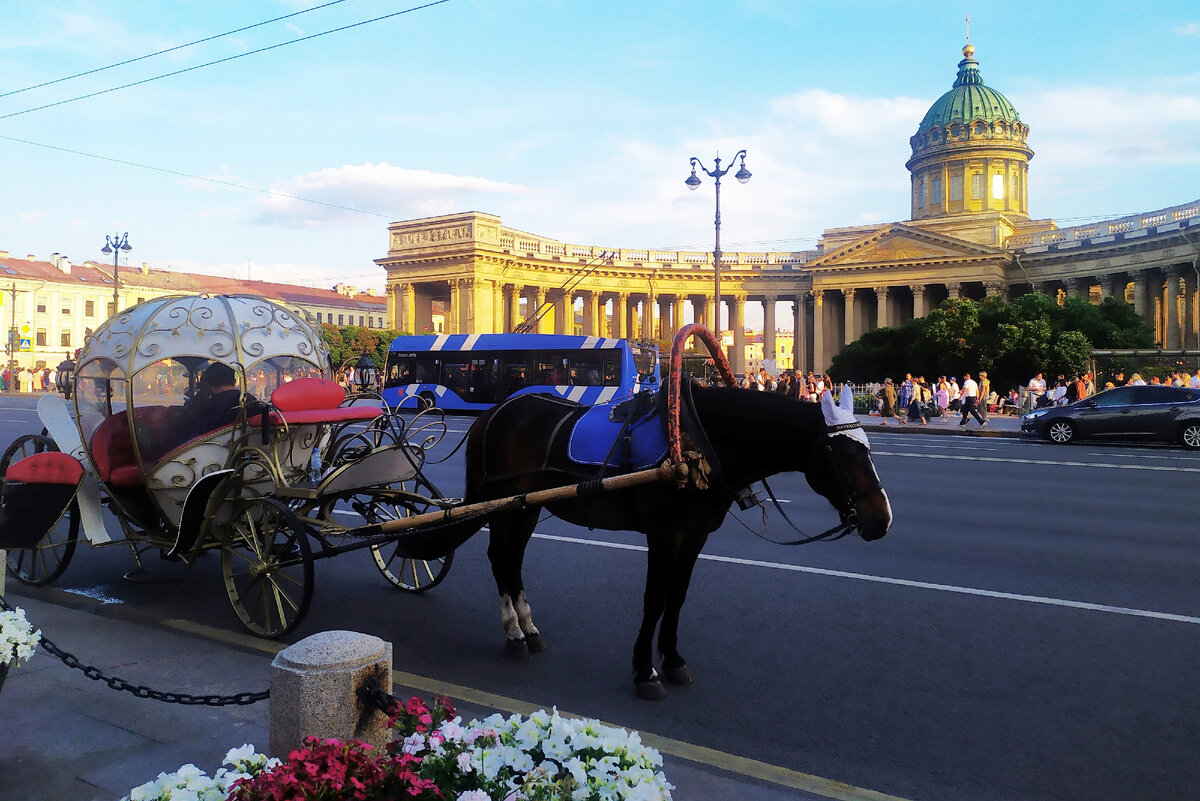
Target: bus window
(612,372)
(643,360)
(586,370)
(401,369)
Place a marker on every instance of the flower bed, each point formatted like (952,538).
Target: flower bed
(434,755)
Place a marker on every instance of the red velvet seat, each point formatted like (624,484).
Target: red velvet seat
(112,449)
(311,401)
(46,468)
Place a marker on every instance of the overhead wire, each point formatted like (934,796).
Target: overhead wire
(222,60)
(168,50)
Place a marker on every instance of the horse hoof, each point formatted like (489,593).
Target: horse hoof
(517,649)
(535,643)
(652,690)
(680,676)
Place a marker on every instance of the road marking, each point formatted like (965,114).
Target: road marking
(923,585)
(732,763)
(1057,463)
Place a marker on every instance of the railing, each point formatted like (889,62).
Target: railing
(1122,225)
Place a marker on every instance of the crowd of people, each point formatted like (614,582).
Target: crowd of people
(916,400)
(25,379)
(1077,387)
(796,385)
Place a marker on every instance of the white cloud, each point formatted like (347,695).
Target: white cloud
(378,189)
(1188,29)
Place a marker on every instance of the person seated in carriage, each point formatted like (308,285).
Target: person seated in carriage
(217,402)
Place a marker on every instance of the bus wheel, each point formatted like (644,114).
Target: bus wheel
(428,400)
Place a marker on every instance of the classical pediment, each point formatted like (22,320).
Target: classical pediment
(899,244)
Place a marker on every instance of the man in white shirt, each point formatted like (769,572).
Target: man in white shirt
(1037,390)
(968,397)
(1194,381)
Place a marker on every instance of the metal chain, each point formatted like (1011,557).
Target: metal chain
(142,691)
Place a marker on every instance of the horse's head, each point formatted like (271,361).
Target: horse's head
(844,473)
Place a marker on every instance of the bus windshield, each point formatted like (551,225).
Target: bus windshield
(473,372)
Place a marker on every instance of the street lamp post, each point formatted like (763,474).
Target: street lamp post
(693,182)
(115,244)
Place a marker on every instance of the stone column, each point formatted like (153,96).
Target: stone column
(1172,340)
(1108,286)
(919,309)
(678,319)
(994,288)
(455,310)
(512,296)
(819,357)
(1143,296)
(591,314)
(851,319)
(799,333)
(564,313)
(737,314)
(953,290)
(1074,287)
(406,318)
(648,309)
(1191,334)
(620,313)
(769,327)
(883,309)
(544,324)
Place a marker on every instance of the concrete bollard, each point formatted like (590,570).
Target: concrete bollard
(314,690)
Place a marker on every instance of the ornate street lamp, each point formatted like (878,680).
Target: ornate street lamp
(114,245)
(365,371)
(693,182)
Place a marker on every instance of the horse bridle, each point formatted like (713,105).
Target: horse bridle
(849,514)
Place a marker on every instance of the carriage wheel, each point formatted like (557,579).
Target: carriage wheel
(268,567)
(403,572)
(47,560)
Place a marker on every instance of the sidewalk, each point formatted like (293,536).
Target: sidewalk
(998,426)
(66,737)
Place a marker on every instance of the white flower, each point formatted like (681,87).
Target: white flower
(474,795)
(18,640)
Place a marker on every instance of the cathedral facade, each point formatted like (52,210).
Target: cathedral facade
(969,235)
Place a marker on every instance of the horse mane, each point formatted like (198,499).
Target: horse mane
(757,434)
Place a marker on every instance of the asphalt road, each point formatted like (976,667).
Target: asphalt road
(1030,628)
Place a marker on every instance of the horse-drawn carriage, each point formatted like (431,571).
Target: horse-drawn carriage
(209,423)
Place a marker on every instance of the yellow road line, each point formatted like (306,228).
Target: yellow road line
(731,763)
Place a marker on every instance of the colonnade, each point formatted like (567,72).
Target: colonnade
(824,318)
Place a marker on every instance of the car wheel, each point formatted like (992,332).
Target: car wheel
(1061,431)
(1190,435)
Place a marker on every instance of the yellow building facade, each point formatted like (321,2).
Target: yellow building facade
(969,235)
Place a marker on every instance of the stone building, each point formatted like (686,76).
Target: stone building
(969,235)
(49,307)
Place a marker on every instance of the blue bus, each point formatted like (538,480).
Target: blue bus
(472,372)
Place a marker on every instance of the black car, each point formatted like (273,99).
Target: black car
(1151,411)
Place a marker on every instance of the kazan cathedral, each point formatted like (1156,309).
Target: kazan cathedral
(969,235)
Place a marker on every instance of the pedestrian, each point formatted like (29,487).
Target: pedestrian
(1194,381)
(943,397)
(1037,392)
(985,395)
(916,405)
(887,409)
(955,395)
(968,399)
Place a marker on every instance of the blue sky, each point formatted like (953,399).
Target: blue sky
(573,120)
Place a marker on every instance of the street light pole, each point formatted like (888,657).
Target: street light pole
(693,182)
(115,244)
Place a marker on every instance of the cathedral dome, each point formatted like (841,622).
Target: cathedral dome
(970,100)
(971,134)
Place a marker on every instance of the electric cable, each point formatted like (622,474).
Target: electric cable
(222,60)
(168,50)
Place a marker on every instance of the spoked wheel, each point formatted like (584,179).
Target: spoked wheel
(403,572)
(268,567)
(47,560)
(1190,436)
(1062,432)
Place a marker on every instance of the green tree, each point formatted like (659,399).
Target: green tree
(348,343)
(1010,340)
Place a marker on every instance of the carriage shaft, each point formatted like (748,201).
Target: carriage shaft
(677,472)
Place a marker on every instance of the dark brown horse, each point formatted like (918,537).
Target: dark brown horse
(521,446)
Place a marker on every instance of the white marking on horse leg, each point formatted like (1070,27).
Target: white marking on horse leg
(508,619)
(525,615)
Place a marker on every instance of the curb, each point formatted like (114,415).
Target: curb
(942,429)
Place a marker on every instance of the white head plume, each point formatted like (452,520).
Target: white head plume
(841,416)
